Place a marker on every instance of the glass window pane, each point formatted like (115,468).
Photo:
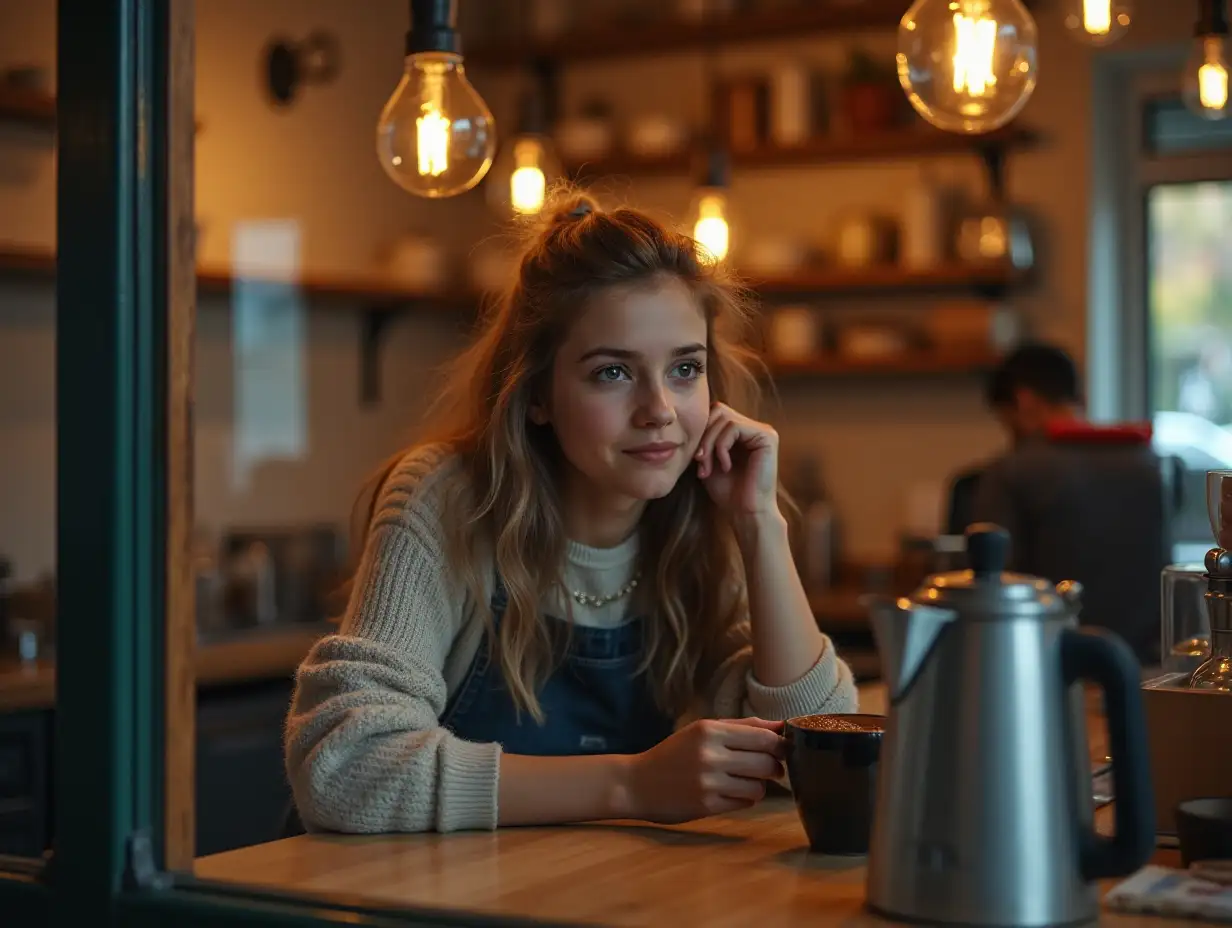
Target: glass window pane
(1190,305)
(27,423)
(326,298)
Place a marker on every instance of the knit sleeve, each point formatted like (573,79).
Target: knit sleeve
(365,751)
(734,690)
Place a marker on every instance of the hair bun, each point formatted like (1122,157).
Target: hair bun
(579,208)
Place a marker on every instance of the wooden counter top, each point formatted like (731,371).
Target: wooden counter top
(746,869)
(738,870)
(264,655)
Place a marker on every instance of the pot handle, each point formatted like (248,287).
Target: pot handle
(1105,659)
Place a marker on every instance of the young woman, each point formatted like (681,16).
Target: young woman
(577,600)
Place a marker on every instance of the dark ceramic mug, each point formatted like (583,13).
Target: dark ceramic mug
(1204,829)
(832,766)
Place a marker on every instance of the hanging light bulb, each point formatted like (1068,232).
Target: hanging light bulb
(1205,89)
(528,185)
(967,65)
(1097,22)
(526,166)
(435,137)
(711,214)
(711,229)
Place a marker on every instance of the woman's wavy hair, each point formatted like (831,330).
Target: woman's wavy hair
(505,501)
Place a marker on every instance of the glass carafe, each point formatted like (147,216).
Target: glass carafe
(1216,672)
(1185,627)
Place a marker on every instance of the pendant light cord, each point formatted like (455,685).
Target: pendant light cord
(716,166)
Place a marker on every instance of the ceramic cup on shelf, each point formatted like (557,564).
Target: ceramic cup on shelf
(655,136)
(863,240)
(768,256)
(584,138)
(793,334)
(995,233)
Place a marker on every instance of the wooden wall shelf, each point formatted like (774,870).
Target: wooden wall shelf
(914,363)
(379,300)
(617,39)
(902,144)
(827,280)
(365,291)
(32,107)
(23,261)
(372,291)
(28,107)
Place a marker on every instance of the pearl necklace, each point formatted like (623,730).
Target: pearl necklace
(595,602)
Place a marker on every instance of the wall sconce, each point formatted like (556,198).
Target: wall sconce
(290,65)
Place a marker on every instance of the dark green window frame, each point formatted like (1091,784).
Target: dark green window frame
(113,210)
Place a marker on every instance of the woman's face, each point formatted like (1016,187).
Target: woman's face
(629,396)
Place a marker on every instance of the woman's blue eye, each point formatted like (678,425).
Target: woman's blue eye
(610,374)
(689,370)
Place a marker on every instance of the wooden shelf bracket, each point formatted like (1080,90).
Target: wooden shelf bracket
(374,323)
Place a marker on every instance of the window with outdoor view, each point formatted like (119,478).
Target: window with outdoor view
(1189,305)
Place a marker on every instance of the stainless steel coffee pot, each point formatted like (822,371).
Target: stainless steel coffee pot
(984,814)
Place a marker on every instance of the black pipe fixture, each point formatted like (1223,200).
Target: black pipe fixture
(434,27)
(1212,18)
(289,65)
(716,165)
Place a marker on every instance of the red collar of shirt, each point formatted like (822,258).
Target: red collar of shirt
(1076,431)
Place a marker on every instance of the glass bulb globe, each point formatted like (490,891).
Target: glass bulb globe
(435,137)
(1205,88)
(524,171)
(1097,22)
(967,65)
(711,225)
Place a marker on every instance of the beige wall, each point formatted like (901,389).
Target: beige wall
(314,164)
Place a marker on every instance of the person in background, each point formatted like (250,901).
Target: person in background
(1035,387)
(1081,501)
(1036,384)
(576,599)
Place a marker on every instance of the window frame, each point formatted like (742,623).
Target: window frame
(125,302)
(1123,170)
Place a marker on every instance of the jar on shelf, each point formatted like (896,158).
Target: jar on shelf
(995,232)
(794,333)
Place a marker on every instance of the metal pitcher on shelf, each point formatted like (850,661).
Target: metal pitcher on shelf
(984,813)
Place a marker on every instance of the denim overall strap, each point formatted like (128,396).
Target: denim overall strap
(594,702)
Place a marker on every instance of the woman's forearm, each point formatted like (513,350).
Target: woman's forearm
(786,640)
(559,790)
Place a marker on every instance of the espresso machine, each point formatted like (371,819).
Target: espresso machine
(1189,705)
(1215,673)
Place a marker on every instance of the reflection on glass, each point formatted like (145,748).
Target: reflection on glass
(27,562)
(1190,305)
(267,347)
(27,428)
